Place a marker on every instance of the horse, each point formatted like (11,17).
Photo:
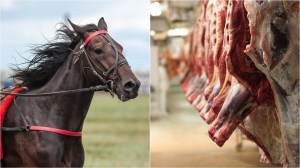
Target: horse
(85,57)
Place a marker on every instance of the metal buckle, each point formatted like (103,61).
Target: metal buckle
(24,128)
(81,46)
(27,128)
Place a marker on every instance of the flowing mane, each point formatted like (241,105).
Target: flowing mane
(48,57)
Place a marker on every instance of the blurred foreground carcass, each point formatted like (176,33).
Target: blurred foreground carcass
(241,69)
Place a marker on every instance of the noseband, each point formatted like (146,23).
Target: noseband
(104,78)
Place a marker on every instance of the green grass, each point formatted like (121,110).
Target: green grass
(116,134)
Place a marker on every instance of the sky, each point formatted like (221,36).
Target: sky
(24,23)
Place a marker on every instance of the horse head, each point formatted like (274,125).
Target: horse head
(103,61)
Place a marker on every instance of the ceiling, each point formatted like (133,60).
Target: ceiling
(175,14)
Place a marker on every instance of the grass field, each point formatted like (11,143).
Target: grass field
(116,134)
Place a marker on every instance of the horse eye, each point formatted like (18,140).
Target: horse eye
(98,50)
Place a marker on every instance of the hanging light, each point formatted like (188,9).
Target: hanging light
(152,33)
(178,32)
(155,9)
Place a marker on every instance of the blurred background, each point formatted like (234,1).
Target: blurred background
(115,134)
(179,137)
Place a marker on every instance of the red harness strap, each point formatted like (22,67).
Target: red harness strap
(3,109)
(87,40)
(55,130)
(6,103)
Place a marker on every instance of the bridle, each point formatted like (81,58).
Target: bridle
(107,84)
(93,66)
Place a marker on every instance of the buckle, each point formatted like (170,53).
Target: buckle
(105,74)
(81,46)
(27,128)
(24,128)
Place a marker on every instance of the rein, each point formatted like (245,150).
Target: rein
(109,86)
(92,88)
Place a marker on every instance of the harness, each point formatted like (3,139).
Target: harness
(108,85)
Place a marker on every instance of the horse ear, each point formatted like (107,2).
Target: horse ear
(102,24)
(80,31)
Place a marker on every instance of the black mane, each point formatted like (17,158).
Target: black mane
(48,57)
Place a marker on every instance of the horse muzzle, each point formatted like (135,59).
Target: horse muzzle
(128,89)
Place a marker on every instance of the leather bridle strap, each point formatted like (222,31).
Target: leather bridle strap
(117,63)
(92,88)
(87,40)
(93,65)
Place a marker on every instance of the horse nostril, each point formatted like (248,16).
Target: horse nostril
(129,86)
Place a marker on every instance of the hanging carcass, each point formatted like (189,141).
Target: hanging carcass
(243,71)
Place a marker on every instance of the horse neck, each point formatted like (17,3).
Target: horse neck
(70,109)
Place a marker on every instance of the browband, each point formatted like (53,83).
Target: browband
(87,40)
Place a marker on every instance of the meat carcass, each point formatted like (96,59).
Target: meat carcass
(274,48)
(245,74)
